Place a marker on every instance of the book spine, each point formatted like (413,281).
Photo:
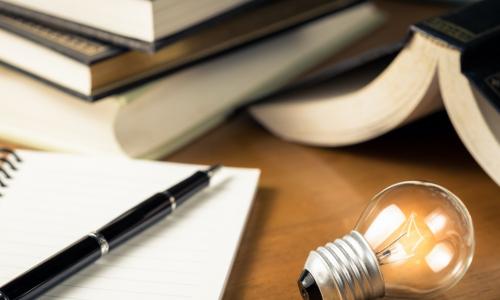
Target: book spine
(474,30)
(481,65)
(62,24)
(113,38)
(466,27)
(70,45)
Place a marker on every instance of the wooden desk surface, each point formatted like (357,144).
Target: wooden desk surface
(309,196)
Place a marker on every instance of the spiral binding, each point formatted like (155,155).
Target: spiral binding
(8,165)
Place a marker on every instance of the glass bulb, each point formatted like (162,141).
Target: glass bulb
(414,238)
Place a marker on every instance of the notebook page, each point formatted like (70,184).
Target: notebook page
(54,199)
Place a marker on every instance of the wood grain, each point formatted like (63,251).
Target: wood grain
(309,196)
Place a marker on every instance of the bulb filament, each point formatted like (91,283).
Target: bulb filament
(391,250)
(403,247)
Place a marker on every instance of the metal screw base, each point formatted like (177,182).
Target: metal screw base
(346,269)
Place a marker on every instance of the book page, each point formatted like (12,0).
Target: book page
(55,199)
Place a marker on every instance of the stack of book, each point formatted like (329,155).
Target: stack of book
(142,78)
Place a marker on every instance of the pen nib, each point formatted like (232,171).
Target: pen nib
(213,169)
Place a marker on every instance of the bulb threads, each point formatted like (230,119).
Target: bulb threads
(346,269)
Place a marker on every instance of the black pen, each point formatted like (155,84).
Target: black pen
(95,245)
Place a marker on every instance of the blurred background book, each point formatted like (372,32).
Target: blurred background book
(447,61)
(132,24)
(141,111)
(92,69)
(72,86)
(328,73)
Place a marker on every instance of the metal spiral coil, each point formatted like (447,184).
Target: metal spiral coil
(9,160)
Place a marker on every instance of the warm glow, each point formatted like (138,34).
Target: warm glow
(422,237)
(398,254)
(404,245)
(413,237)
(439,257)
(384,225)
(435,221)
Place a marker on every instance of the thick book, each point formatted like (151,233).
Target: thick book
(92,69)
(144,25)
(152,25)
(51,200)
(163,115)
(453,57)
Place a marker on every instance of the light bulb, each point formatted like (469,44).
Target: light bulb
(414,239)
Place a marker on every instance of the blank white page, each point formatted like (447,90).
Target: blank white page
(55,199)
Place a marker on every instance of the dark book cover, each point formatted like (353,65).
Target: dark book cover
(212,41)
(109,37)
(475,31)
(82,49)
(262,17)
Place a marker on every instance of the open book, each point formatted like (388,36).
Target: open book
(455,56)
(52,200)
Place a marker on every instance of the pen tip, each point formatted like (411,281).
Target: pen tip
(213,169)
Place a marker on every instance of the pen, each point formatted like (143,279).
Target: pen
(95,245)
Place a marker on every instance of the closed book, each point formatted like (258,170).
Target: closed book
(161,116)
(152,25)
(144,25)
(449,61)
(92,69)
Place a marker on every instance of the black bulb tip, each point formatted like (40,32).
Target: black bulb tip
(308,287)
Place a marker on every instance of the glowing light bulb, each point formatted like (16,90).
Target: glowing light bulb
(414,239)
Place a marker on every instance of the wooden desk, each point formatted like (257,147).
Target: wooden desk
(309,196)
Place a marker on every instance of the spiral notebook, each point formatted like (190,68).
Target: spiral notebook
(50,200)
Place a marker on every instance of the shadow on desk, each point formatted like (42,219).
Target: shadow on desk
(431,141)
(310,196)
(431,150)
(260,215)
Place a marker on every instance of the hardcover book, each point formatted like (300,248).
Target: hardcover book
(161,116)
(92,69)
(453,57)
(149,25)
(143,25)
